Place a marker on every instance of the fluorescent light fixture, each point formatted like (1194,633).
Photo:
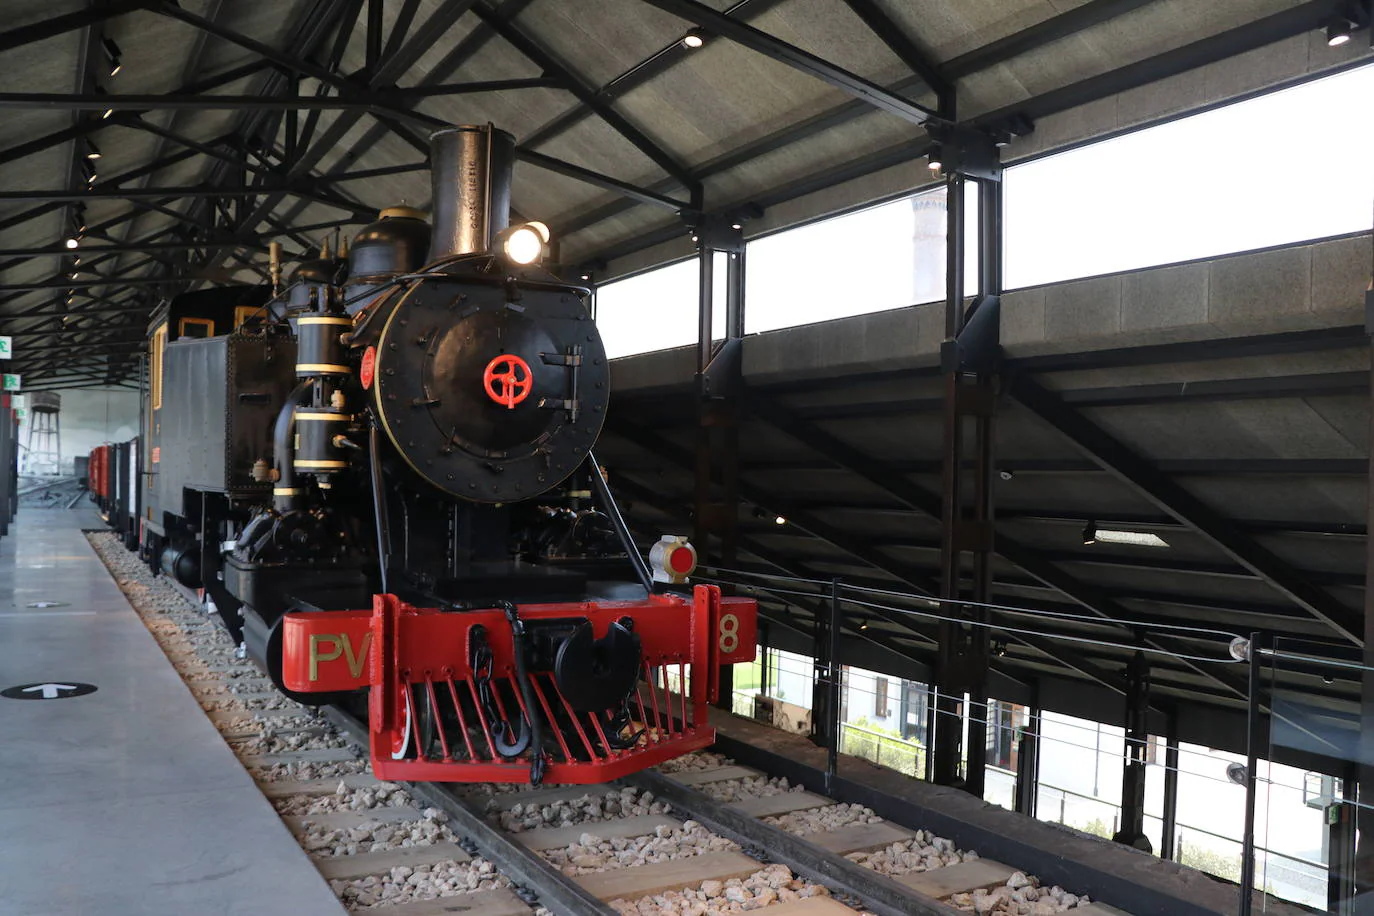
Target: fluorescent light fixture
(1134,538)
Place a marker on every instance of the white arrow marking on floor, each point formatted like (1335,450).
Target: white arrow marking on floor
(50,691)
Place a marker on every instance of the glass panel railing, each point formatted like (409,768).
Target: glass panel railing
(1306,812)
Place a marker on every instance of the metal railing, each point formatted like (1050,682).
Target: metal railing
(906,757)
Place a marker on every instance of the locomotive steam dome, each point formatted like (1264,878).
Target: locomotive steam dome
(489,395)
(395,244)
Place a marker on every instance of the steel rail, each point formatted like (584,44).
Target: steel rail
(878,893)
(524,866)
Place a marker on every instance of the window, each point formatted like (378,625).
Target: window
(159,345)
(1196,187)
(880,709)
(884,257)
(195,327)
(657,310)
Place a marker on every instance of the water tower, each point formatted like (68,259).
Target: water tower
(44,455)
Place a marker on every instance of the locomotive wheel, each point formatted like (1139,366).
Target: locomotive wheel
(422,733)
(402,745)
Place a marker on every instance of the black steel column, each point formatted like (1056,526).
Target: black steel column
(719,380)
(952,667)
(1028,760)
(970,360)
(1340,846)
(1169,833)
(832,704)
(1252,739)
(1132,831)
(1364,854)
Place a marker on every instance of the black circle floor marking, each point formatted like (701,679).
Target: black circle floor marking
(48,690)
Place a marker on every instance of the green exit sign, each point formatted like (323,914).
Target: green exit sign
(9,382)
(6,348)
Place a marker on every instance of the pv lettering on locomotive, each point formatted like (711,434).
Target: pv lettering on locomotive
(380,472)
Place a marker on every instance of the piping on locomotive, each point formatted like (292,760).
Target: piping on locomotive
(383,477)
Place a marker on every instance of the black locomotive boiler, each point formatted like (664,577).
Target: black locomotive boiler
(382,476)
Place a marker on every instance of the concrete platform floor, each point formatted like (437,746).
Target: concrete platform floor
(124,801)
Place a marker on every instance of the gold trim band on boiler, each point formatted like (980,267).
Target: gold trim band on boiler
(327,368)
(287,491)
(320,415)
(326,320)
(319,463)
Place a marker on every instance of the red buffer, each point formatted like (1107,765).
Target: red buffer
(580,692)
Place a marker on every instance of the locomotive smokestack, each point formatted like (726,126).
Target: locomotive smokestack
(470,168)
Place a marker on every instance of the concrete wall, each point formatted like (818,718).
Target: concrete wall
(90,417)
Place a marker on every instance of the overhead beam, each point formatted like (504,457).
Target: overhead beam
(101,192)
(639,74)
(373,101)
(1023,41)
(1251,36)
(901,44)
(391,68)
(60,25)
(744,34)
(543,57)
(127,248)
(1148,481)
(634,192)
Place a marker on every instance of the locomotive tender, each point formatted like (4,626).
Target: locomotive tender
(382,476)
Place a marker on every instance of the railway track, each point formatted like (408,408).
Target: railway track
(700,836)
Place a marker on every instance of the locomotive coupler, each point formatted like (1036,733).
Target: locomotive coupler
(522,682)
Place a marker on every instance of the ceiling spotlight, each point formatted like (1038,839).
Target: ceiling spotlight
(1090,533)
(1005,474)
(863,624)
(1338,32)
(73,242)
(693,39)
(112,55)
(100,90)
(779,520)
(92,151)
(933,157)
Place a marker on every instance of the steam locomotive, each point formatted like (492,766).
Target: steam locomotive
(381,475)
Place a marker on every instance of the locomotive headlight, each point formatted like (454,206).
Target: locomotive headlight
(524,244)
